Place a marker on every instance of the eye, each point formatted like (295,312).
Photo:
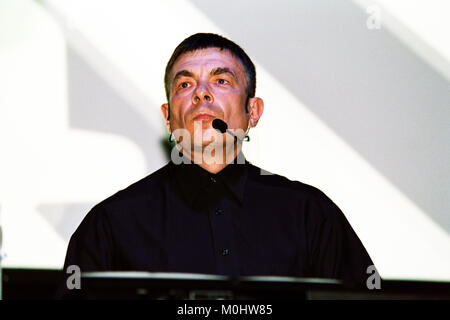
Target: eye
(222,81)
(184,85)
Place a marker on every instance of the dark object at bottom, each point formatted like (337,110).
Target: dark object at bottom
(32,284)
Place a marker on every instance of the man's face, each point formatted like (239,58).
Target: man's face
(207,84)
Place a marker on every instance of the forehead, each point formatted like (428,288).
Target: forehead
(207,59)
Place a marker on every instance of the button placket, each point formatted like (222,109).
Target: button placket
(222,229)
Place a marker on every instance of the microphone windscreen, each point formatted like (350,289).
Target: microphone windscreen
(220,125)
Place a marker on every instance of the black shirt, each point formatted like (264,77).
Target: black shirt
(240,221)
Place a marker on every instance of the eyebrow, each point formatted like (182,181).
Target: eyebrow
(219,70)
(182,73)
(214,72)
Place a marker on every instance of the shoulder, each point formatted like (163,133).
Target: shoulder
(136,192)
(121,208)
(310,200)
(279,182)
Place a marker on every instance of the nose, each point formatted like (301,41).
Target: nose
(202,94)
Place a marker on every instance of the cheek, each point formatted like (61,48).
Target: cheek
(237,114)
(178,109)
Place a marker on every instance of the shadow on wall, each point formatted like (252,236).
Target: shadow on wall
(95,106)
(366,85)
(64,217)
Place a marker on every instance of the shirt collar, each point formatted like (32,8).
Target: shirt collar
(193,179)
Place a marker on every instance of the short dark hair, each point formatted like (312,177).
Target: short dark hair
(200,41)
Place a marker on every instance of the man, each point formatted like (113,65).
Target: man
(209,210)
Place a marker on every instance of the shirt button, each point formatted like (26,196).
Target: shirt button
(219,212)
(225,252)
(212,179)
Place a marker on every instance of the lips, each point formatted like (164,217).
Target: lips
(204,116)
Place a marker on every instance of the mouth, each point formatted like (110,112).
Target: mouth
(204,116)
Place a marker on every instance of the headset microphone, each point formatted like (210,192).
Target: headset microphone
(222,126)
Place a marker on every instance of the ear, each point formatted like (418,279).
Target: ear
(165,113)
(256,109)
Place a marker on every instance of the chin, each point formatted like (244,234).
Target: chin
(205,137)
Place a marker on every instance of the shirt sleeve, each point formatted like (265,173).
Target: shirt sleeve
(90,248)
(335,250)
